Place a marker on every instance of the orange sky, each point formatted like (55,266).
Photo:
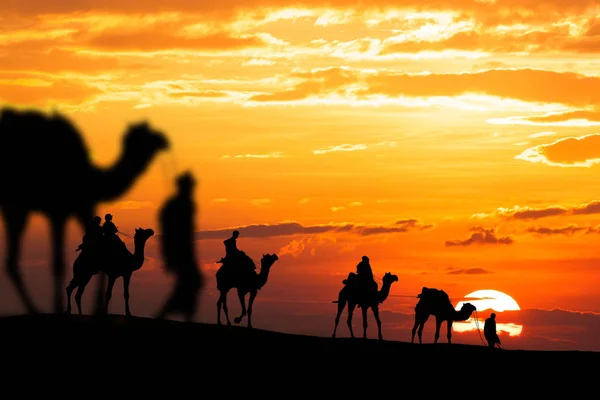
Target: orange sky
(465,131)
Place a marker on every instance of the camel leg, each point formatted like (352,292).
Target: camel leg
(219,302)
(78,296)
(250,303)
(58,260)
(351,307)
(72,285)
(376,315)
(242,297)
(418,327)
(438,325)
(15,222)
(109,289)
(126,281)
(364,310)
(449,333)
(99,300)
(222,303)
(341,305)
(415,326)
(420,331)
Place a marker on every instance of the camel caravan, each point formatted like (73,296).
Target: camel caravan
(360,289)
(56,178)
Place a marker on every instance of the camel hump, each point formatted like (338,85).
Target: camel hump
(430,293)
(43,137)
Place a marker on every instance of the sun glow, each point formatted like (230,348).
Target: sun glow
(489,300)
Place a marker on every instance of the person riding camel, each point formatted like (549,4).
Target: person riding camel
(365,275)
(231,250)
(92,236)
(109,229)
(233,255)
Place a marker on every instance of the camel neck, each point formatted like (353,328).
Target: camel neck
(263,276)
(138,253)
(384,291)
(116,180)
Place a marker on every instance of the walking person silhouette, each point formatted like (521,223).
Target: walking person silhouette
(177,242)
(489,331)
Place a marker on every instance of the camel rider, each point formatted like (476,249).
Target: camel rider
(93,235)
(365,274)
(231,250)
(110,231)
(489,331)
(233,254)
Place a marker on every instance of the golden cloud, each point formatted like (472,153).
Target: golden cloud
(529,85)
(583,151)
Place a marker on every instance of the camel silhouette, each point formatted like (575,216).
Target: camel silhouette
(352,296)
(245,283)
(117,263)
(45,167)
(437,303)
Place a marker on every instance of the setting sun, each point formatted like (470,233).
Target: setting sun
(489,300)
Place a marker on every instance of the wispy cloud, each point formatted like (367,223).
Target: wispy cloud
(352,204)
(482,236)
(341,147)
(276,154)
(523,213)
(541,134)
(469,271)
(568,230)
(295,228)
(386,143)
(133,205)
(260,202)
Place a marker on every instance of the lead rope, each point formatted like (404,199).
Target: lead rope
(479,329)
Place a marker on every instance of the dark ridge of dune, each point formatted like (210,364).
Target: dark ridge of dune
(146,344)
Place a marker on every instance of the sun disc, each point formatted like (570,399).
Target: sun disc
(488,299)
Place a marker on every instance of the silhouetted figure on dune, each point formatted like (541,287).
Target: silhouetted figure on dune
(112,241)
(355,293)
(109,228)
(110,262)
(437,303)
(245,283)
(231,249)
(93,236)
(236,261)
(45,167)
(364,274)
(489,331)
(177,241)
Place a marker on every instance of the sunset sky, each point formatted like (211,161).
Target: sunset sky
(453,142)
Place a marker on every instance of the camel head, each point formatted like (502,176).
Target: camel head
(389,278)
(143,234)
(467,309)
(267,260)
(144,141)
